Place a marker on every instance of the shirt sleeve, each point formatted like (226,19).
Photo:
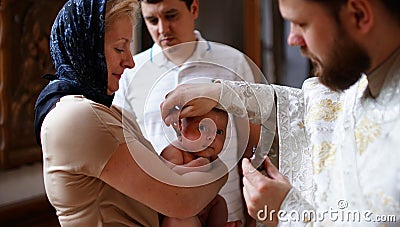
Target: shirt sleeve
(79,136)
(256,103)
(295,210)
(244,99)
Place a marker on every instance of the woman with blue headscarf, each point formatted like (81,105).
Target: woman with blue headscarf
(98,168)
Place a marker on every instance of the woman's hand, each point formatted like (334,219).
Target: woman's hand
(199,165)
(189,100)
(264,194)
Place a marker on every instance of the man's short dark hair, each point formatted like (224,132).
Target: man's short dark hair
(187,2)
(392,6)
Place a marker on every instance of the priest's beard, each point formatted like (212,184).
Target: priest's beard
(344,64)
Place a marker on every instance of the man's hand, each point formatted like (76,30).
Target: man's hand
(197,165)
(261,192)
(189,100)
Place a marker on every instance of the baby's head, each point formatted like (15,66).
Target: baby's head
(204,135)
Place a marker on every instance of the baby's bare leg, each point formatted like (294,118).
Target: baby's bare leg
(173,222)
(218,212)
(215,214)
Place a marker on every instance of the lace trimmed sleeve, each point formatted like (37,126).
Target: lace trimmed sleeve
(244,99)
(255,102)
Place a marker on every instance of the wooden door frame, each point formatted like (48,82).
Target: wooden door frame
(252,31)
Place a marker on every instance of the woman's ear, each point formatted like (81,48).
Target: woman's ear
(361,15)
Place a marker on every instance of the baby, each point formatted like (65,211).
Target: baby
(199,138)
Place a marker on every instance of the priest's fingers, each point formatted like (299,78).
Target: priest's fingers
(251,174)
(190,100)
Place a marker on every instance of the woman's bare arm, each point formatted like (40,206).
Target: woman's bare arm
(172,199)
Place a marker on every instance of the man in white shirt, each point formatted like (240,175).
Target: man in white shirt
(181,55)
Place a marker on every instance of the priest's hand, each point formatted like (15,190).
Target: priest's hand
(189,100)
(264,194)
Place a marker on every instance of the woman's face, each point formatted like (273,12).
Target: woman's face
(117,41)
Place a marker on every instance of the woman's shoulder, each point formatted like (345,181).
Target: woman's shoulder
(76,114)
(78,107)
(80,135)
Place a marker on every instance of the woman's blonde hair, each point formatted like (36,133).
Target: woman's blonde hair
(118,8)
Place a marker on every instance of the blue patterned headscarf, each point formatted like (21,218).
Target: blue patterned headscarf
(77,50)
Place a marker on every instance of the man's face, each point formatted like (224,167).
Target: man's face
(338,60)
(170,22)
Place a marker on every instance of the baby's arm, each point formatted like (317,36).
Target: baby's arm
(173,155)
(179,160)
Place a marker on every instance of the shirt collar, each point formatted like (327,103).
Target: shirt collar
(203,46)
(385,71)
